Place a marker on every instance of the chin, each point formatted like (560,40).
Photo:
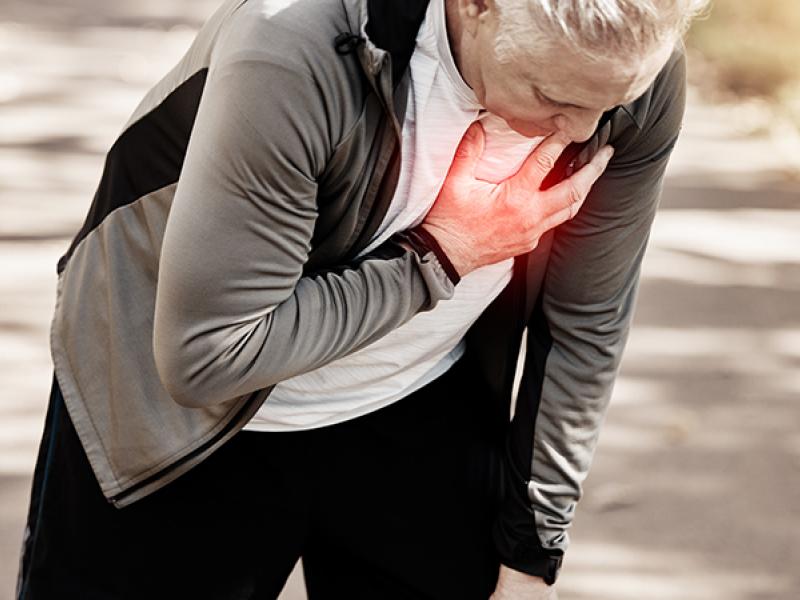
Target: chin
(581,138)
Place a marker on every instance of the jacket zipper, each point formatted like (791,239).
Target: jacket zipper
(234,421)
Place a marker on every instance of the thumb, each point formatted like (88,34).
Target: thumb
(469,151)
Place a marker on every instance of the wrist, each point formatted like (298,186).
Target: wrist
(452,248)
(422,241)
(517,542)
(513,584)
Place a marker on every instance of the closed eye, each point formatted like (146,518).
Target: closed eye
(544,99)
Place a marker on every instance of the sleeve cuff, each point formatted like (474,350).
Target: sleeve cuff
(527,558)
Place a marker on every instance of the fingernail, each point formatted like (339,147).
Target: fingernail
(609,152)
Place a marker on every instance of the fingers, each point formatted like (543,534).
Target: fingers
(555,219)
(540,162)
(563,200)
(468,152)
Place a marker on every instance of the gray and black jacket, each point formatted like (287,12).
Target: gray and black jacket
(218,258)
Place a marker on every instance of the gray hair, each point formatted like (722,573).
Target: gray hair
(613,28)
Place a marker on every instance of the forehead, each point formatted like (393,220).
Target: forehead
(569,76)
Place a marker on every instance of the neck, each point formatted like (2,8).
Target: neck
(455,33)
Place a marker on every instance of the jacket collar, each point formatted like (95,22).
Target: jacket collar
(393,26)
(379,29)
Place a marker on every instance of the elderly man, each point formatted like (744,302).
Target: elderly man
(291,322)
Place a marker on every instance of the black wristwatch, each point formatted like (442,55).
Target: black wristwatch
(423,242)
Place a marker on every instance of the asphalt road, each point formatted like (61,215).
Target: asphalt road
(694,493)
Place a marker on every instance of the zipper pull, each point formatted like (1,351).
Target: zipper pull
(346,42)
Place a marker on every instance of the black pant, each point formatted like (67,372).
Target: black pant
(395,504)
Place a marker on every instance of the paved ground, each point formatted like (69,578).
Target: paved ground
(694,493)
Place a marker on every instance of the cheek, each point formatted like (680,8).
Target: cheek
(514,103)
(522,113)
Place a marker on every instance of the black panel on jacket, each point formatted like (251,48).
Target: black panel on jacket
(393,27)
(146,157)
(525,553)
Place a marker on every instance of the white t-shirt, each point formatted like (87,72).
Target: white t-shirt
(441,106)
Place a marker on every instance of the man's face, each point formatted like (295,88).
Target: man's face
(556,90)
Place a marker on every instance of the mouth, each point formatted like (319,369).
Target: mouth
(532,131)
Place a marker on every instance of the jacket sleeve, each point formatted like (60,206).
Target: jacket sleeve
(576,335)
(234,313)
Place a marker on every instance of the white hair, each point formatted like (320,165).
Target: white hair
(612,28)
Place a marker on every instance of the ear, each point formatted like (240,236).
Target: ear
(471,12)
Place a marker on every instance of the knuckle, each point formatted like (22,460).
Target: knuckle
(532,218)
(512,200)
(574,195)
(462,152)
(545,161)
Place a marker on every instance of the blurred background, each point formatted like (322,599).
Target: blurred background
(695,490)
